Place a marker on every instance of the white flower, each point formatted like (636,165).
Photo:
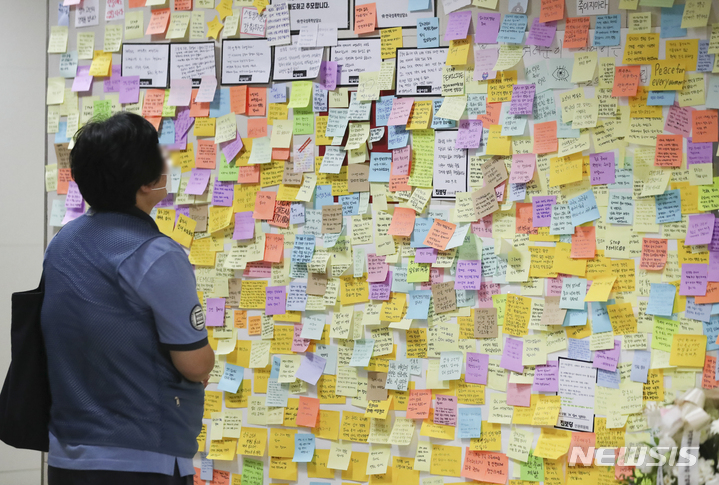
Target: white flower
(645,468)
(706,470)
(667,442)
(714,429)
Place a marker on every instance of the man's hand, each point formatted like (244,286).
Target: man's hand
(194,365)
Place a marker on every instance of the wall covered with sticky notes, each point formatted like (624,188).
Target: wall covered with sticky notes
(435,241)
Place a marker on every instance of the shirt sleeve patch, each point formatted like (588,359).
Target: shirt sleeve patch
(197,318)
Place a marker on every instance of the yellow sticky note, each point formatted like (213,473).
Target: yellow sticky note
(688,350)
(184,230)
(600,289)
(391,40)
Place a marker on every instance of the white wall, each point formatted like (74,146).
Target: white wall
(22,140)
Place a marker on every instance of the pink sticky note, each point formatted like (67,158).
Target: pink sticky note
(522,99)
(522,168)
(376,268)
(215,312)
(700,229)
(469,275)
(679,120)
(554,286)
(541,34)
(244,226)
(129,89)
(512,355)
(477,368)
(546,377)
(445,410)
(484,62)
(487,28)
(311,368)
(381,290)
(83,80)
(180,92)
(401,108)
(458,25)
(425,255)
(608,359)
(713,264)
(469,134)
(519,394)
(328,75)
(400,160)
(231,148)
(275,300)
(694,279)
(199,178)
(299,344)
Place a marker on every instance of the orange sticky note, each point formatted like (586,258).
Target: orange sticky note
(248,175)
(158,21)
(255,326)
(585,441)
(238,99)
(256,127)
(309,408)
(576,32)
(551,10)
(584,243)
(183,5)
(152,105)
(274,247)
(256,101)
(523,220)
(198,110)
(491,117)
(711,296)
(708,381)
(669,151)
(419,403)
(654,254)
(545,137)
(241,318)
(626,81)
(402,222)
(365,18)
(486,466)
(439,234)
(399,182)
(281,216)
(206,154)
(705,126)
(264,205)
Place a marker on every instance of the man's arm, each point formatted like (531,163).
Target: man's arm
(194,365)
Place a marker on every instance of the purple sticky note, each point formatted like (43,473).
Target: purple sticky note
(519,394)
(469,275)
(700,229)
(522,99)
(83,80)
(694,280)
(512,355)
(601,168)
(484,62)
(328,75)
(542,210)
(469,134)
(215,312)
(381,290)
(129,89)
(275,300)
(244,226)
(426,255)
(112,83)
(231,148)
(477,368)
(714,243)
(445,410)
(223,193)
(487,28)
(199,178)
(377,269)
(73,199)
(541,34)
(608,359)
(183,121)
(545,377)
(698,153)
(458,25)
(311,368)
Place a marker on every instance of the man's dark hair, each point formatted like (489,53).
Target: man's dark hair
(113,158)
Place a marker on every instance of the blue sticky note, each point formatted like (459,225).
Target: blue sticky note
(600,317)
(350,204)
(711,330)
(640,365)
(418,304)
(422,226)
(380,166)
(397,136)
(579,349)
(278,93)
(275,369)
(415,5)
(220,105)
(565,130)
(329,353)
(466,298)
(439,123)
(399,280)
(206,467)
(607,30)
(661,299)
(701,312)
(660,98)
(383,108)
(303,249)
(470,422)
(323,196)
(60,135)
(609,379)
(705,61)
(68,64)
(231,378)
(669,206)
(583,208)
(576,318)
(427,32)
(671,22)
(63,15)
(512,29)
(297,296)
(167,132)
(304,447)
(297,213)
